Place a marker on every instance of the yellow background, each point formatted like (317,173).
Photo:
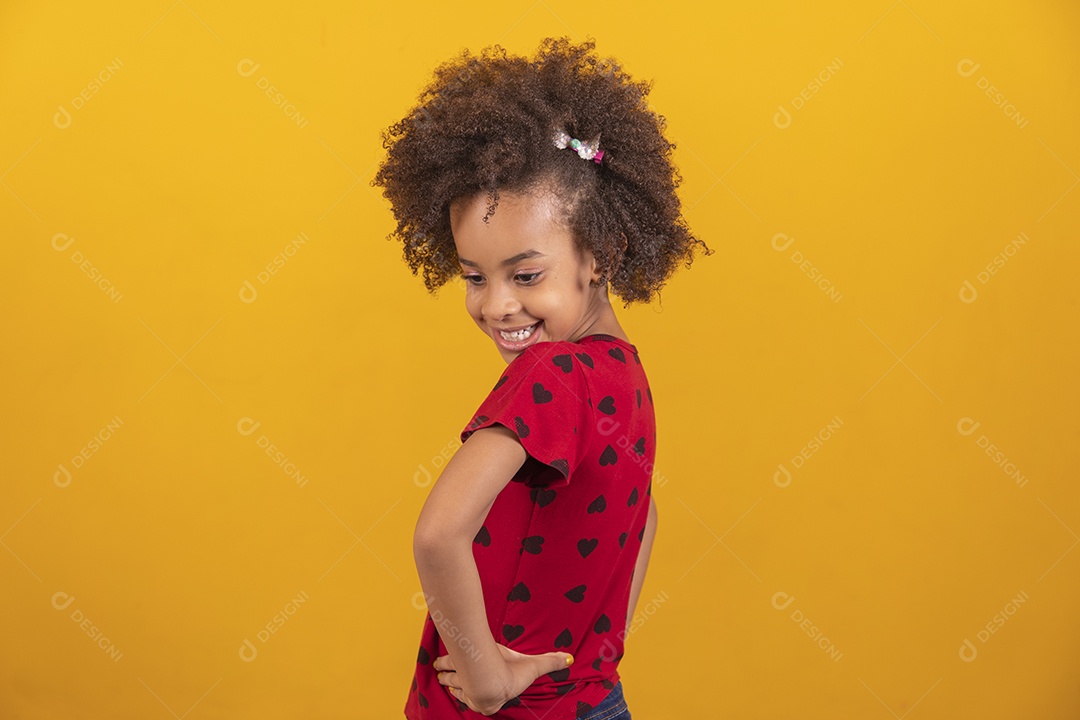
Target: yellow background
(849,588)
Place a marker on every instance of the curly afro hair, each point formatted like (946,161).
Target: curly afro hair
(486,124)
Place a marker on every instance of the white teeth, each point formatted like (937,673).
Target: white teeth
(519,335)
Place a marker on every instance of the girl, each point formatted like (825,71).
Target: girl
(542,184)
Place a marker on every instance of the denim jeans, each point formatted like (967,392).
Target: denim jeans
(613,707)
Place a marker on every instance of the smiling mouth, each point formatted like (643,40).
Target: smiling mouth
(519,335)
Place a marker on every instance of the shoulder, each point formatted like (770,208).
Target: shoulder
(548,371)
(558,356)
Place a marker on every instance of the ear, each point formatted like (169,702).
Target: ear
(614,261)
(595,271)
(588,259)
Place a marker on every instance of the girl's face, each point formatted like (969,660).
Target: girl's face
(523,272)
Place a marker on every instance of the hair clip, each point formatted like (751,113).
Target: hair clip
(586,151)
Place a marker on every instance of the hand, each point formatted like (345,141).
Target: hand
(487,695)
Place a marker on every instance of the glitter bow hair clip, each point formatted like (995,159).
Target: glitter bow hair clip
(586,151)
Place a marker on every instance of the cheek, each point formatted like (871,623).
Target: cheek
(472,303)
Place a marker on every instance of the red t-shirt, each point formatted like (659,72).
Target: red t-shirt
(557,550)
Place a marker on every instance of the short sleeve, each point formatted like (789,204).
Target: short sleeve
(543,397)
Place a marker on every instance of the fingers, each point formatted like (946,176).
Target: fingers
(559,661)
(449,679)
(444,662)
(460,695)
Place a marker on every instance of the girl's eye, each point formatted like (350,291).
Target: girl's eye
(523,278)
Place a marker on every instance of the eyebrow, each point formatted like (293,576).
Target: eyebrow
(508,261)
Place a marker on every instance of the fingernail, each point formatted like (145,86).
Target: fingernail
(569,660)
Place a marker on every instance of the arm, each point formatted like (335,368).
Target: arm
(481,673)
(642,562)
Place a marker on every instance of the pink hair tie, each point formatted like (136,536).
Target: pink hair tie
(586,151)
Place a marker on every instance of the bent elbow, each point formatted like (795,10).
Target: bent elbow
(434,539)
(427,539)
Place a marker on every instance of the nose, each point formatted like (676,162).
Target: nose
(499,302)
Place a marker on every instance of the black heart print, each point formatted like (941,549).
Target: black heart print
(542,496)
(563,689)
(478,421)
(622,540)
(584,709)
(423,657)
(575,594)
(521,428)
(512,632)
(564,362)
(584,547)
(607,405)
(512,702)
(559,675)
(648,391)
(632,500)
(638,393)
(540,395)
(598,505)
(617,353)
(565,639)
(609,456)
(483,537)
(562,465)
(519,592)
(532,544)
(596,664)
(639,446)
(603,624)
(585,358)
(503,379)
(423,700)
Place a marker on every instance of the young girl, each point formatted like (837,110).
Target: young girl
(542,184)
